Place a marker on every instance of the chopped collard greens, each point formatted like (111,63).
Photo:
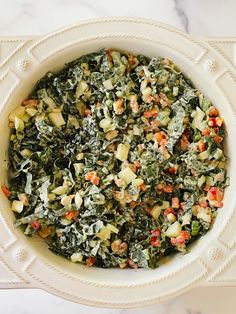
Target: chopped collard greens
(116,160)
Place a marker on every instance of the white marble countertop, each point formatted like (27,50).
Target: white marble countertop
(203,17)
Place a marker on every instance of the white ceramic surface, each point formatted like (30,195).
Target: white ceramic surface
(206,66)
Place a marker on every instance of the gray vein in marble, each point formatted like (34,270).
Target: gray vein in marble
(192,312)
(181,14)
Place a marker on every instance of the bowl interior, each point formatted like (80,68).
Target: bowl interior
(200,80)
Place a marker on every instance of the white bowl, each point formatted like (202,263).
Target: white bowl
(27,262)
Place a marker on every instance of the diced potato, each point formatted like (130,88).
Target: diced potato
(19,124)
(80,156)
(76,257)
(81,88)
(57,119)
(147,91)
(122,152)
(105,124)
(17,112)
(136,130)
(26,152)
(204,155)
(137,182)
(51,196)
(104,234)
(173,230)
(197,120)
(165,204)
(195,209)
(78,167)
(186,219)
(210,181)
(60,190)
(218,153)
(201,181)
(65,222)
(171,218)
(204,214)
(127,175)
(66,200)
(112,228)
(17,206)
(78,200)
(108,84)
(156,211)
(81,107)
(31,111)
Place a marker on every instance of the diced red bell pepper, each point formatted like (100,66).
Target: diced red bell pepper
(156,232)
(155,242)
(35,224)
(215,194)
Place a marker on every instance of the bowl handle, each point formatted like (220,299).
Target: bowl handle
(226,47)
(9,279)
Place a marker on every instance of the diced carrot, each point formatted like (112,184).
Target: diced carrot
(213,111)
(206,132)
(90,261)
(6,191)
(184,142)
(160,136)
(168,188)
(152,113)
(181,239)
(201,146)
(92,177)
(72,214)
(175,202)
(218,139)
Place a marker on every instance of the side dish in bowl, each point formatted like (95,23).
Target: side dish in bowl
(116,160)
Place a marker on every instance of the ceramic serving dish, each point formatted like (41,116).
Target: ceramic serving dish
(27,262)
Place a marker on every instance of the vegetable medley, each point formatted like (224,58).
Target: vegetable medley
(117,160)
